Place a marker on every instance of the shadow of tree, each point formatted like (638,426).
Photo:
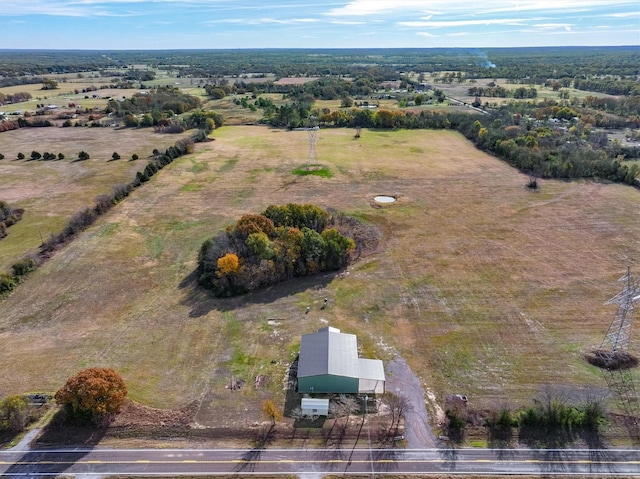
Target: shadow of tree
(201,302)
(58,433)
(450,456)
(598,454)
(263,437)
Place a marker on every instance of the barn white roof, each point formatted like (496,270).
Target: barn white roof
(328,351)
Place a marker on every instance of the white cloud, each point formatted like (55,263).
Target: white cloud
(464,23)
(263,21)
(622,14)
(347,22)
(553,26)
(376,7)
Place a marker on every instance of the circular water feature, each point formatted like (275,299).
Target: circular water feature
(384,199)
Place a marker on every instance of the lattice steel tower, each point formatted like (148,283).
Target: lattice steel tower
(614,351)
(313,139)
(616,340)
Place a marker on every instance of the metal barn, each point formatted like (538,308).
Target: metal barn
(329,363)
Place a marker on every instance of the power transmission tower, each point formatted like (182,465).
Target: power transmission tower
(312,131)
(616,341)
(614,351)
(313,139)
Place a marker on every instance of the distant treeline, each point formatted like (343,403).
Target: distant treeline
(386,63)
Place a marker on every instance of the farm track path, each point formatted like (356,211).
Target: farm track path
(402,380)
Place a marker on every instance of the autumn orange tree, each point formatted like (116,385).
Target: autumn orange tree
(229,263)
(93,395)
(271,411)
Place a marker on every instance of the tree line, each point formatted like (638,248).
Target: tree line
(281,243)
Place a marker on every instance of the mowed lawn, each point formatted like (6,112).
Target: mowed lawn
(484,286)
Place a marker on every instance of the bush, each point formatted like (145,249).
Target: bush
(7,283)
(23,267)
(15,413)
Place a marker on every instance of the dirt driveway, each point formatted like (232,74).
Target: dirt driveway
(402,381)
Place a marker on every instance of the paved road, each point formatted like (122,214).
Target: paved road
(176,462)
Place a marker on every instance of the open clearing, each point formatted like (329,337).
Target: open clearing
(485,287)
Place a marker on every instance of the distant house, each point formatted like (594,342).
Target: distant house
(329,363)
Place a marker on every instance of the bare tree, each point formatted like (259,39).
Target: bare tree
(398,405)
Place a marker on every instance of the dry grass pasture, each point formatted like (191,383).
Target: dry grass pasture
(53,191)
(485,287)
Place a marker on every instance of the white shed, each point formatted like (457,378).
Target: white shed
(315,407)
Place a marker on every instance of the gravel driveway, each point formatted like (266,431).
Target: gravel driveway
(402,381)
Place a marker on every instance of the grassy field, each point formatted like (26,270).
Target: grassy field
(53,191)
(460,91)
(486,288)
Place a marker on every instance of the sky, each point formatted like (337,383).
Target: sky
(231,24)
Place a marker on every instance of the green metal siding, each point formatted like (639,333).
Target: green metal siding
(328,384)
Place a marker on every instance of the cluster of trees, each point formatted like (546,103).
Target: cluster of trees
(8,217)
(46,156)
(498,91)
(49,84)
(333,88)
(92,397)
(549,152)
(611,86)
(6,98)
(626,105)
(263,249)
(161,102)
(218,91)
